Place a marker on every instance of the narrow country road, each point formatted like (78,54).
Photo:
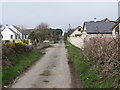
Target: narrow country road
(51,71)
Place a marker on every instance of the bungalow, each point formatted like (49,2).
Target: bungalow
(74,36)
(77,32)
(91,29)
(11,34)
(98,27)
(25,33)
(15,34)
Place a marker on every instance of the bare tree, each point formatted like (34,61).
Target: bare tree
(21,27)
(42,26)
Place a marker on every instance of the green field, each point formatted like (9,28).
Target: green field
(88,77)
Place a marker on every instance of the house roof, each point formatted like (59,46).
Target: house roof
(17,28)
(70,32)
(27,31)
(105,20)
(99,27)
(78,27)
(117,22)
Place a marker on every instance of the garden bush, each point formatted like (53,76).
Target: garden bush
(103,54)
(13,49)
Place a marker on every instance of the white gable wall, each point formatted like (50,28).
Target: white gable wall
(76,32)
(15,30)
(113,32)
(77,41)
(6,33)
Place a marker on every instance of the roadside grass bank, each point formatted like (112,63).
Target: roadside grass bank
(18,65)
(88,76)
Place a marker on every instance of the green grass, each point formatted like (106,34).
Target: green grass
(20,64)
(89,78)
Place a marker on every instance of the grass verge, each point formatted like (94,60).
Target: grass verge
(20,64)
(88,77)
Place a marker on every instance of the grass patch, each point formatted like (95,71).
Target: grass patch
(21,62)
(45,73)
(89,77)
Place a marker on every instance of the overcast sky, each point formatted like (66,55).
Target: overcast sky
(56,14)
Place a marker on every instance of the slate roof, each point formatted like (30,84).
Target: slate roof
(99,27)
(27,31)
(70,32)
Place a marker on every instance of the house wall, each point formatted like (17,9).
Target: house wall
(76,32)
(17,31)
(7,35)
(79,41)
(113,32)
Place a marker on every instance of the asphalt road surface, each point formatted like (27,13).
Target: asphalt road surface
(51,71)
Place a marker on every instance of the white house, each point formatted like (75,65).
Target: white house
(77,32)
(75,37)
(116,28)
(11,34)
(93,29)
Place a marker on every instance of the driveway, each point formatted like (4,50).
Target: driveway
(51,71)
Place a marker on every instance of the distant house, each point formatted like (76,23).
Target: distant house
(15,34)
(92,29)
(98,27)
(74,36)
(11,34)
(77,32)
(25,33)
(116,28)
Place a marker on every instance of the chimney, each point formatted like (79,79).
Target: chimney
(95,20)
(6,26)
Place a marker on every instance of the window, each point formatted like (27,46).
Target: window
(25,36)
(79,29)
(15,36)
(7,41)
(77,35)
(11,36)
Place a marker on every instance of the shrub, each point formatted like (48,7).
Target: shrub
(103,53)
(25,41)
(13,49)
